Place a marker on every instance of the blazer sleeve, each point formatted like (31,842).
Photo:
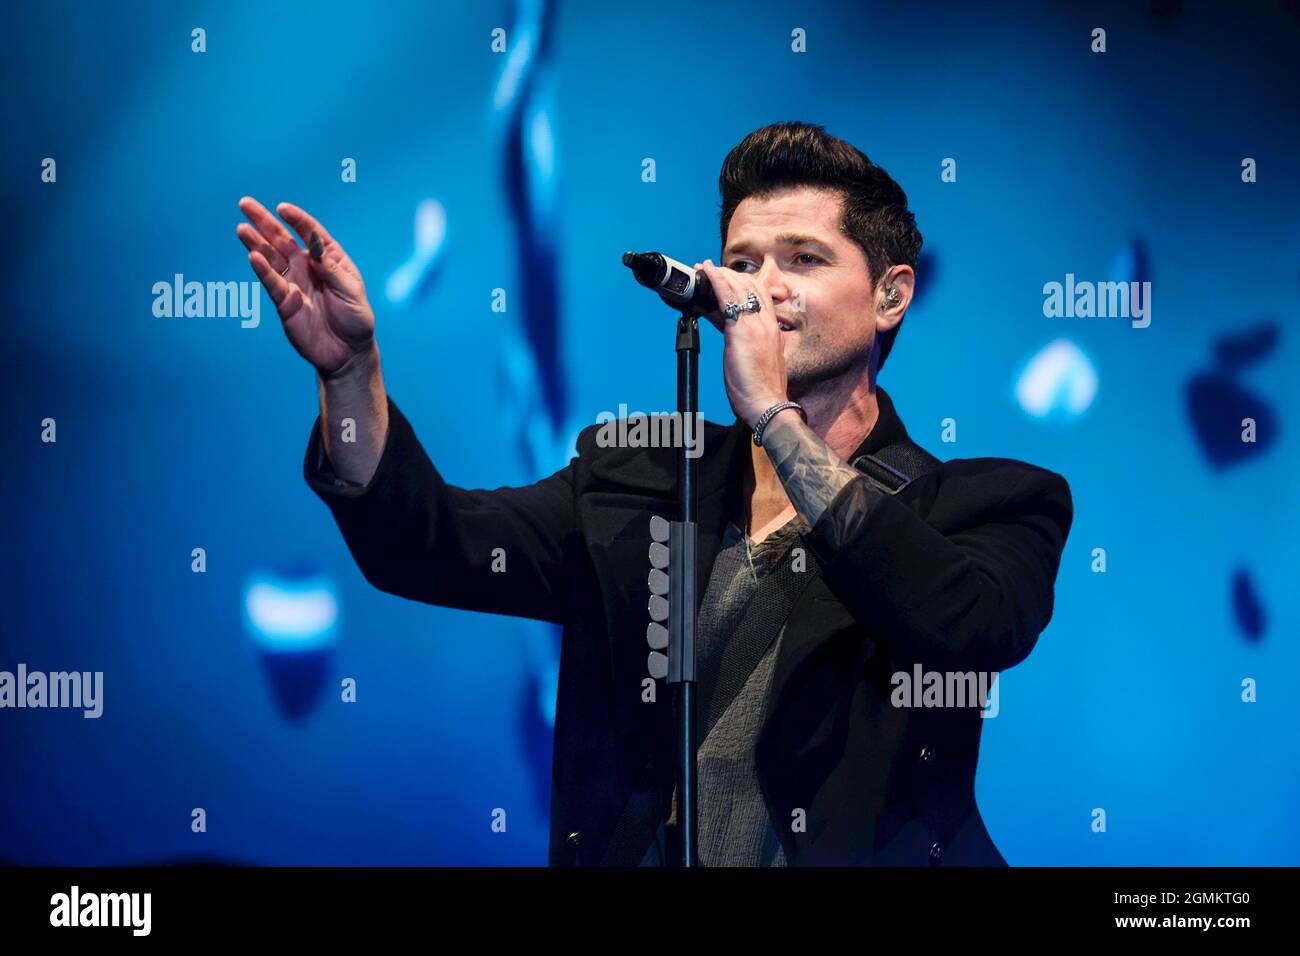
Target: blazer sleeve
(414,535)
(975,599)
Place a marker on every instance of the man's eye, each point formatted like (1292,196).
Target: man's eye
(739,266)
(808,255)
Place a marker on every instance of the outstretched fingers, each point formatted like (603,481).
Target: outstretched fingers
(254,242)
(270,228)
(312,233)
(286,296)
(328,260)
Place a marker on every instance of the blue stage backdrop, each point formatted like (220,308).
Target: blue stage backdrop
(261,703)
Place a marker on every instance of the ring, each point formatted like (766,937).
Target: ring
(731,310)
(752,304)
(285,271)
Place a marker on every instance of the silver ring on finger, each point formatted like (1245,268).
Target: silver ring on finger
(285,271)
(752,304)
(731,310)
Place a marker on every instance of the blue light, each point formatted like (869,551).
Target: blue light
(413,276)
(289,613)
(1060,380)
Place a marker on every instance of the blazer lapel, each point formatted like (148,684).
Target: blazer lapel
(629,489)
(720,498)
(625,490)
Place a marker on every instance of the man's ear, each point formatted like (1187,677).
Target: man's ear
(893,296)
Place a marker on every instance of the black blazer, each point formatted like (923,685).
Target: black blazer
(955,573)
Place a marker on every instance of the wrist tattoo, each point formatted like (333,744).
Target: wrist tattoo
(810,471)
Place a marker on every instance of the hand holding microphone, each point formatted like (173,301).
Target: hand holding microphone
(753,359)
(679,285)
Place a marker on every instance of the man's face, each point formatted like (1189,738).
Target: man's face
(791,243)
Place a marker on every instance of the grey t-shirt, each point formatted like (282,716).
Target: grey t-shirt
(734,826)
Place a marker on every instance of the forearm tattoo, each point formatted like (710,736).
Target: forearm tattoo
(810,471)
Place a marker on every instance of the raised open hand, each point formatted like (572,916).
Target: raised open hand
(317,291)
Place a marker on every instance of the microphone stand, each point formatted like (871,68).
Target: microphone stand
(683,580)
(675,282)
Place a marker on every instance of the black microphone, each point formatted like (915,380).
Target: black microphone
(678,285)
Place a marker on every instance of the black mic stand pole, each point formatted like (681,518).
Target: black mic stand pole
(683,580)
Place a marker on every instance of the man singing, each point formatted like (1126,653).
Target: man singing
(838,560)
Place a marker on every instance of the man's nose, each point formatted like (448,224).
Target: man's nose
(771,278)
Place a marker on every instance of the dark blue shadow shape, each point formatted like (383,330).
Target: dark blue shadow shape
(1217,404)
(296,679)
(1246,607)
(927,273)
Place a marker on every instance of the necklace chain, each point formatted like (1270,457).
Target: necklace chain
(748,553)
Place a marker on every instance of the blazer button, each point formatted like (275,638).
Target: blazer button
(927,755)
(572,838)
(936,853)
